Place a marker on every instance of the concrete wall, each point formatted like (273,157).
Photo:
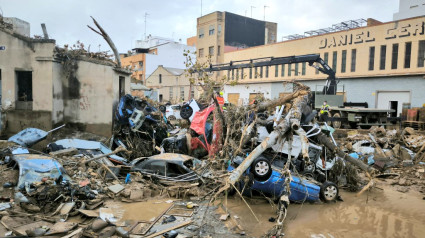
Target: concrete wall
(98,92)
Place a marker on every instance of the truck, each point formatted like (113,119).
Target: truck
(341,113)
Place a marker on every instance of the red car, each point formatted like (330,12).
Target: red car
(208,131)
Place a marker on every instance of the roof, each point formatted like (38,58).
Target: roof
(174,71)
(139,86)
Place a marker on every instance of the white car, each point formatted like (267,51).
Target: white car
(172,112)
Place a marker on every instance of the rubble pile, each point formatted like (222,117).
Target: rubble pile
(138,184)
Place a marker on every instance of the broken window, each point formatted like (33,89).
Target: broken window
(371,57)
(421,53)
(353,60)
(407,55)
(174,170)
(394,59)
(24,81)
(343,61)
(383,57)
(157,167)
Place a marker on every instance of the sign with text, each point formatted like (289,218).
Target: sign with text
(398,30)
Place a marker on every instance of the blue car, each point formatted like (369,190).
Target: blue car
(272,183)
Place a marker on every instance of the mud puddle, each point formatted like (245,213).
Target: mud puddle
(379,213)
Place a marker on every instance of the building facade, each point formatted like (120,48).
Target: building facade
(152,52)
(221,32)
(171,85)
(409,9)
(38,90)
(381,64)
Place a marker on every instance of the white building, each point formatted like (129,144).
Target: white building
(410,8)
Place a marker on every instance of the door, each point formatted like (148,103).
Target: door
(121,86)
(233,98)
(257,96)
(386,99)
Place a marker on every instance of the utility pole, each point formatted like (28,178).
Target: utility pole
(265,12)
(146,14)
(251,10)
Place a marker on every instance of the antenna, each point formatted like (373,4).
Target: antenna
(251,10)
(146,14)
(265,12)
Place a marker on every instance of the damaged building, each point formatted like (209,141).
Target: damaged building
(43,85)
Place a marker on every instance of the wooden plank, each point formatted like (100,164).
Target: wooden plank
(170,229)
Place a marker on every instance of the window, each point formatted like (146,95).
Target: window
(182,93)
(282,71)
(296,69)
(394,59)
(250,73)
(192,92)
(242,76)
(201,52)
(156,167)
(171,94)
(421,53)
(383,56)
(326,57)
(256,72)
(289,69)
(218,50)
(219,29)
(160,78)
(24,81)
(353,60)
(233,74)
(303,68)
(211,30)
(211,50)
(121,86)
(407,54)
(276,71)
(343,61)
(267,71)
(201,33)
(261,71)
(371,57)
(140,64)
(334,60)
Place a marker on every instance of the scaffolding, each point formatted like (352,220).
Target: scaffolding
(342,26)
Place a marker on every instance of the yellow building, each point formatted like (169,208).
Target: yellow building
(172,85)
(221,32)
(135,63)
(381,64)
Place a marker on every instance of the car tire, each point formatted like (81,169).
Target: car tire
(336,124)
(186,111)
(162,108)
(261,168)
(310,168)
(329,191)
(172,118)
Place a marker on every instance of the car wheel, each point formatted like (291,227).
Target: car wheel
(172,118)
(262,169)
(311,167)
(162,108)
(336,124)
(329,191)
(186,111)
(308,175)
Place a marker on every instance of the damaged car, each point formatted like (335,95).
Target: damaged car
(168,167)
(265,178)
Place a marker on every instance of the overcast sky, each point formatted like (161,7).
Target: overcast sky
(123,20)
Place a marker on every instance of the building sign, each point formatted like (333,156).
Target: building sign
(2,47)
(399,29)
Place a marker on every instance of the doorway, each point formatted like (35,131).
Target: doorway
(394,106)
